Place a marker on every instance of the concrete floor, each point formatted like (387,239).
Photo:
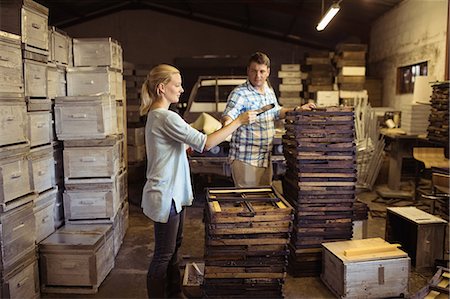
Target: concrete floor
(127,279)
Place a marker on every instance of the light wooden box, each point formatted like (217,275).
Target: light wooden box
(368,268)
(97,52)
(136,136)
(56,81)
(23,281)
(13,122)
(85,117)
(120,226)
(421,234)
(35,25)
(17,235)
(58,46)
(89,81)
(11,80)
(91,199)
(44,210)
(15,179)
(40,129)
(35,77)
(76,259)
(91,161)
(42,168)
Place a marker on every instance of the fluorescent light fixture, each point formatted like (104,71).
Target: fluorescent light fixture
(332,11)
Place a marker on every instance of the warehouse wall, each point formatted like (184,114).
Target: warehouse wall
(412,32)
(149,37)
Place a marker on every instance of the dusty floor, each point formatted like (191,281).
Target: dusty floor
(127,279)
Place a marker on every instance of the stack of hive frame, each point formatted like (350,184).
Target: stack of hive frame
(438,127)
(247,236)
(319,182)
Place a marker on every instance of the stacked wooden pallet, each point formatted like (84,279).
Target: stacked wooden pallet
(247,234)
(438,127)
(291,85)
(319,182)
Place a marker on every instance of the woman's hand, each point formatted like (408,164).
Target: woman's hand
(248,117)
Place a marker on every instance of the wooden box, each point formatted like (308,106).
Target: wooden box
(42,166)
(44,210)
(15,180)
(136,153)
(11,80)
(85,117)
(76,259)
(35,25)
(136,136)
(58,210)
(97,52)
(369,268)
(58,46)
(89,81)
(17,235)
(193,279)
(420,234)
(56,81)
(40,129)
(22,281)
(91,199)
(35,76)
(91,161)
(13,122)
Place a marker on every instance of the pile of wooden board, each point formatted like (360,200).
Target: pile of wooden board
(438,127)
(319,183)
(247,236)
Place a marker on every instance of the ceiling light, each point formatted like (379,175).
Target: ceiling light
(332,11)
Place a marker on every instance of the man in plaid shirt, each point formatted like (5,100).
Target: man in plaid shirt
(251,144)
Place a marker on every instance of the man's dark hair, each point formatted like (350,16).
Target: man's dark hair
(259,58)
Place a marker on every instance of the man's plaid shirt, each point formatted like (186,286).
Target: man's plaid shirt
(252,143)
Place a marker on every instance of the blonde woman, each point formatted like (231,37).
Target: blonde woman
(168,187)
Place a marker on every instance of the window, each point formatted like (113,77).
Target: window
(407,74)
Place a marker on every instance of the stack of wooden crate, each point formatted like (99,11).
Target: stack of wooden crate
(350,60)
(319,182)
(28,188)
(291,85)
(135,76)
(92,129)
(439,118)
(247,232)
(319,86)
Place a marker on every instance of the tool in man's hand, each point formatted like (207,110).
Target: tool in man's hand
(264,109)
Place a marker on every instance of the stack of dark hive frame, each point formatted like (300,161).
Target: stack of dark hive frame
(247,236)
(438,121)
(319,183)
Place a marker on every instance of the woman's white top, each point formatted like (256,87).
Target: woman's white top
(168,175)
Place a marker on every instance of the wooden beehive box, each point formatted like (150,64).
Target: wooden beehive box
(17,236)
(85,117)
(11,75)
(44,211)
(42,168)
(13,122)
(91,158)
(368,268)
(22,281)
(76,259)
(97,52)
(89,81)
(421,234)
(91,199)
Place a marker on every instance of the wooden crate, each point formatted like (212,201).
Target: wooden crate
(42,168)
(136,153)
(85,159)
(369,268)
(76,259)
(15,179)
(85,117)
(11,80)
(91,200)
(97,52)
(22,281)
(17,235)
(88,81)
(44,210)
(13,122)
(58,46)
(421,234)
(136,136)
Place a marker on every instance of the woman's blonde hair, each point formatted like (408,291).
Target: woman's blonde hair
(149,92)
